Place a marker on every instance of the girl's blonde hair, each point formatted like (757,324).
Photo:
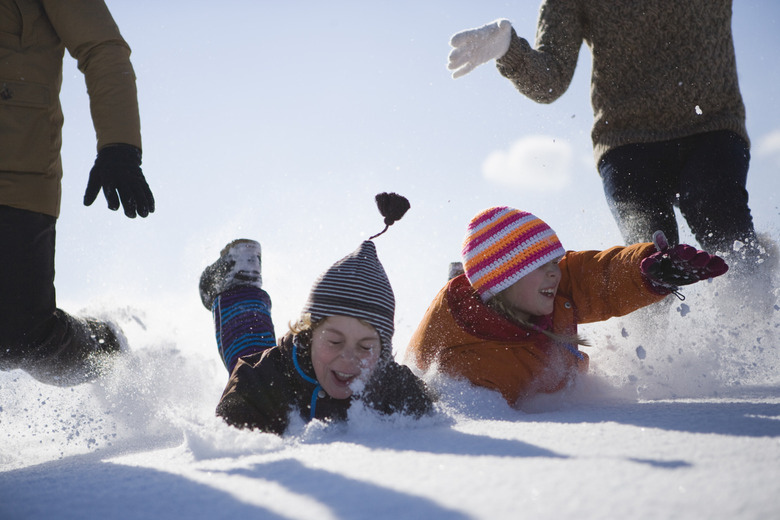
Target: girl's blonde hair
(501,304)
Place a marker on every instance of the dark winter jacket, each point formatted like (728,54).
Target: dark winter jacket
(33,37)
(662,70)
(265,388)
(467,339)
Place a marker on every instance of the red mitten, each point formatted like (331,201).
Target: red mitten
(669,268)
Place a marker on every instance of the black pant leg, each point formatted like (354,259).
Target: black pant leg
(35,336)
(27,296)
(713,196)
(640,185)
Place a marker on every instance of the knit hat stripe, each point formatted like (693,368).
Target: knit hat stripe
(489,215)
(506,274)
(532,245)
(343,291)
(498,225)
(507,237)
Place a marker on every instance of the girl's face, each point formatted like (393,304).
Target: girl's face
(343,350)
(534,294)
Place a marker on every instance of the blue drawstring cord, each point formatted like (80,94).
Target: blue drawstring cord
(574,350)
(317,386)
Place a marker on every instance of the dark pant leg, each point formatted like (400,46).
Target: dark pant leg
(35,336)
(713,197)
(640,184)
(27,298)
(242,323)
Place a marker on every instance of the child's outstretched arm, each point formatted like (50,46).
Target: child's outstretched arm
(671,267)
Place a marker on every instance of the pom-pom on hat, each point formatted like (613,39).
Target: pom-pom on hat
(502,245)
(393,207)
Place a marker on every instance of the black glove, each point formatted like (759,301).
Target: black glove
(118,171)
(393,388)
(672,267)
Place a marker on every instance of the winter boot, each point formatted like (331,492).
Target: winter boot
(105,335)
(74,350)
(239,263)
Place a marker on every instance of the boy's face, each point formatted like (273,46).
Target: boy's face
(534,294)
(343,350)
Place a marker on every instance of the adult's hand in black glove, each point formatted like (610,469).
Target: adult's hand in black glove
(671,267)
(117,170)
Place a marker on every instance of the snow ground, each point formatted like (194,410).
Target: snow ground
(674,422)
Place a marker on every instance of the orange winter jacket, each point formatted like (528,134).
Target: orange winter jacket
(467,339)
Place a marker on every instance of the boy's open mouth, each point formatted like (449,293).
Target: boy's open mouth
(343,377)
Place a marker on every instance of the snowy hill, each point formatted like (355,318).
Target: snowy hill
(689,431)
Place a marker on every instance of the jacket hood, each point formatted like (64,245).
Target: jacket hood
(479,320)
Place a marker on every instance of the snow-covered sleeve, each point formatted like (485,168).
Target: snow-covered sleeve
(544,73)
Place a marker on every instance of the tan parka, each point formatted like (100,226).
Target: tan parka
(33,37)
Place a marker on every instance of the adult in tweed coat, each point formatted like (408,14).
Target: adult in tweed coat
(669,120)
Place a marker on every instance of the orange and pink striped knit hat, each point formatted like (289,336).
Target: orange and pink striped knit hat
(503,245)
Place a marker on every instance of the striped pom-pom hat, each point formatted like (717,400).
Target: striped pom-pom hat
(502,245)
(356,286)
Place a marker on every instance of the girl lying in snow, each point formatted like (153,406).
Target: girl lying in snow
(510,322)
(337,352)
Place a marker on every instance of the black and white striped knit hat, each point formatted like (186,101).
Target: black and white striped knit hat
(357,285)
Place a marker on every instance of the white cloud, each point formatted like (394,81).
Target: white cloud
(769,144)
(536,162)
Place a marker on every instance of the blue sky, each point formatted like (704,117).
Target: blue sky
(280,121)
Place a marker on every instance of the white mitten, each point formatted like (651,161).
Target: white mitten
(474,47)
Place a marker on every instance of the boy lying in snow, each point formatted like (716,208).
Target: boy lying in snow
(338,351)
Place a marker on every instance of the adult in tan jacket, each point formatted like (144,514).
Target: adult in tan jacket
(50,344)
(668,116)
(510,322)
